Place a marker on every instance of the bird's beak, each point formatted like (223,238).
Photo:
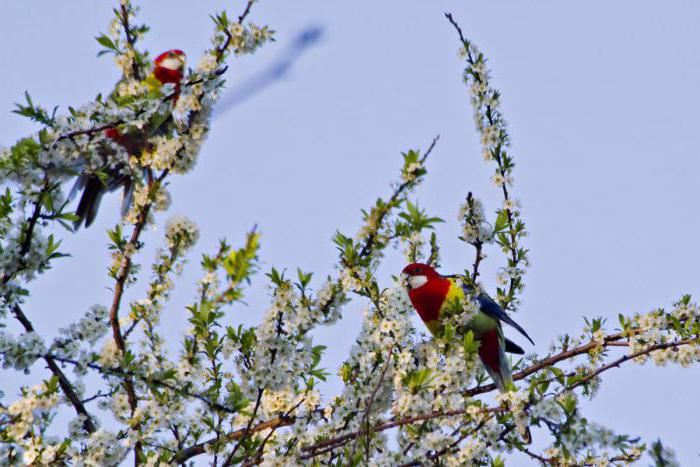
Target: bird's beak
(404,281)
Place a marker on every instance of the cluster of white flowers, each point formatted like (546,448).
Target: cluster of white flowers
(39,451)
(20,352)
(657,328)
(284,348)
(207,63)
(110,355)
(511,204)
(469,451)
(413,251)
(125,62)
(246,40)
(411,171)
(27,409)
(163,155)
(131,88)
(20,266)
(493,130)
(101,448)
(367,371)
(500,180)
(156,196)
(475,228)
(350,280)
(91,327)
(181,233)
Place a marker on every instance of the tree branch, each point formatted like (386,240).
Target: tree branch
(369,241)
(624,358)
(336,442)
(370,401)
(63,381)
(247,428)
(130,39)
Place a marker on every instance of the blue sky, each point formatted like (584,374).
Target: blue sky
(601,98)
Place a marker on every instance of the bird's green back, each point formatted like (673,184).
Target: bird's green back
(480,322)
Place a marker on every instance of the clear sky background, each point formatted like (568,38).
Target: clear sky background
(602,101)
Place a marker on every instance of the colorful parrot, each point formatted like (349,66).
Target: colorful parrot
(168,68)
(431,294)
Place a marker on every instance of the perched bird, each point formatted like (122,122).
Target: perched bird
(432,295)
(168,68)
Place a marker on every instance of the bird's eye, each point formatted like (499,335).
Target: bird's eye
(417,271)
(171,54)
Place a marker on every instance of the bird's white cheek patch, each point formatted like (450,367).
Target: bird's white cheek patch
(417,281)
(171,64)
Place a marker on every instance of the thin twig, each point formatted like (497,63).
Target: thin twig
(245,13)
(200,448)
(369,242)
(624,358)
(370,401)
(261,449)
(130,39)
(229,459)
(513,250)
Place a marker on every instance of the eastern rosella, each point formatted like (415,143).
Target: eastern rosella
(168,68)
(431,294)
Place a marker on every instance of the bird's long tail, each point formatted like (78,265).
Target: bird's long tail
(493,357)
(93,189)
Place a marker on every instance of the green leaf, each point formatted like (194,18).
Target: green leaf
(105,41)
(501,221)
(469,344)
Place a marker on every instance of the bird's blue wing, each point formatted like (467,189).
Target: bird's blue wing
(491,308)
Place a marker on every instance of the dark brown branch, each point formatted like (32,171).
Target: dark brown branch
(222,49)
(245,13)
(532,455)
(29,231)
(456,26)
(334,443)
(200,448)
(63,381)
(330,444)
(89,131)
(229,459)
(120,372)
(124,270)
(550,361)
(130,39)
(624,358)
(261,449)
(340,440)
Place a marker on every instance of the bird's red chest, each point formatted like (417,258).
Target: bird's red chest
(166,75)
(428,299)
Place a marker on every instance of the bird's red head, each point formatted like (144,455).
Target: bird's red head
(169,66)
(416,275)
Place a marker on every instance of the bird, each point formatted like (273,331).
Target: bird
(432,295)
(168,68)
